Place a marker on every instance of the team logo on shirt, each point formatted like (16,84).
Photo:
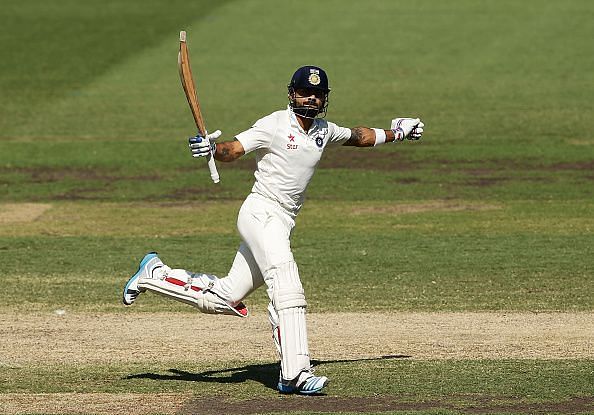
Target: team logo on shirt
(319,137)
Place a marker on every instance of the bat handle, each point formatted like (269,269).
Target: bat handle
(214,174)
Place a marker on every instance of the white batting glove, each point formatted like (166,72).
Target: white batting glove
(403,127)
(203,146)
(416,132)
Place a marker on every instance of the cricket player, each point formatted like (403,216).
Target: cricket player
(288,145)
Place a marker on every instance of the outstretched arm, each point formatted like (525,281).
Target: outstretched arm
(365,137)
(411,128)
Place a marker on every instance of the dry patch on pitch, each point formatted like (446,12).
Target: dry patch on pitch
(435,205)
(86,338)
(117,219)
(15,213)
(91,403)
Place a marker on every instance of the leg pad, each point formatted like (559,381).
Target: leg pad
(287,316)
(192,289)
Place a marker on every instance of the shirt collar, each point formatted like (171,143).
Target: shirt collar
(295,123)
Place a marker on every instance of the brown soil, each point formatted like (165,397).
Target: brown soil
(167,403)
(372,159)
(338,158)
(374,404)
(47,174)
(88,338)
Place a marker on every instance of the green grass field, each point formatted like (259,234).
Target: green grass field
(491,211)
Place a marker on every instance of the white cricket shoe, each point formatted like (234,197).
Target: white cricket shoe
(145,270)
(311,385)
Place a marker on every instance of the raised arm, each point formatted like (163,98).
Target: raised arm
(228,151)
(410,128)
(225,151)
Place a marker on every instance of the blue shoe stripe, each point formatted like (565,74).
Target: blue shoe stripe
(134,277)
(313,385)
(146,259)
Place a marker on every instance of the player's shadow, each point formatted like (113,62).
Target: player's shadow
(266,374)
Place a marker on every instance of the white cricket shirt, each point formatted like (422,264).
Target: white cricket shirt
(287,156)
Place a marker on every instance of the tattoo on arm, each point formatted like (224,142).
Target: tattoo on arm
(357,134)
(229,151)
(361,137)
(224,152)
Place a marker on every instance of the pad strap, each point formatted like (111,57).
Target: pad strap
(287,291)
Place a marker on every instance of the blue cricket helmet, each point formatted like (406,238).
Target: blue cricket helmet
(309,77)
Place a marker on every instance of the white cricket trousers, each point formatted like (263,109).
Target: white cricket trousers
(264,256)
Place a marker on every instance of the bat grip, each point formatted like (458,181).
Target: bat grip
(214,174)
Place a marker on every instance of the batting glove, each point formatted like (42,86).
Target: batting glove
(203,146)
(403,127)
(416,132)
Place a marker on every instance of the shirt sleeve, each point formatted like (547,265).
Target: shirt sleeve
(259,135)
(337,134)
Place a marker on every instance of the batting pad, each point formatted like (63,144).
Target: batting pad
(192,289)
(291,335)
(287,291)
(287,316)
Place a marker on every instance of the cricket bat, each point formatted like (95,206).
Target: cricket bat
(185,74)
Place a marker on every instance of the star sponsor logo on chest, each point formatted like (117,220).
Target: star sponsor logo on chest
(291,144)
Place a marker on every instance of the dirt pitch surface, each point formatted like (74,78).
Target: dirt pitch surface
(115,338)
(87,338)
(167,403)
